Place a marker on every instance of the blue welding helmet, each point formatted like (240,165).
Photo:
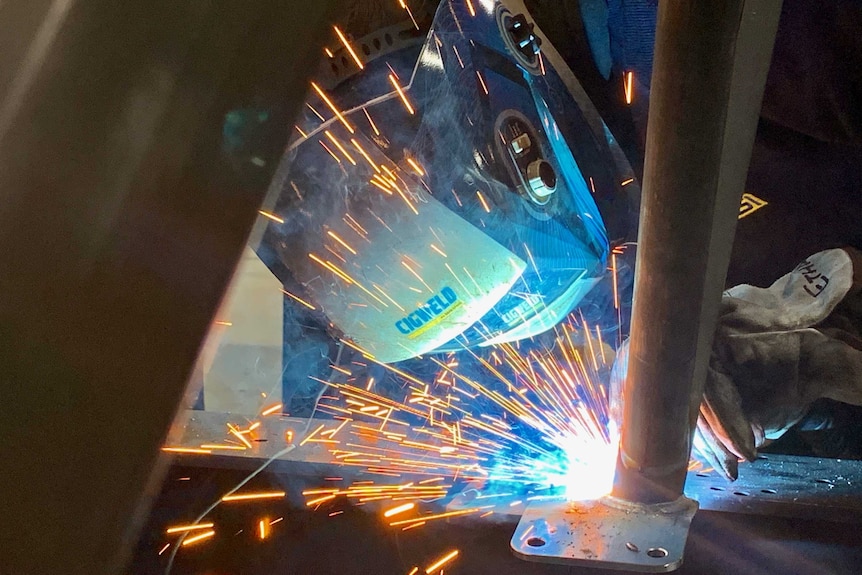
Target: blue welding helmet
(445,194)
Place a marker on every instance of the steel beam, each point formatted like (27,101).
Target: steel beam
(711,60)
(122,216)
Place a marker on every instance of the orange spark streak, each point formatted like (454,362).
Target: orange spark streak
(236,433)
(224,323)
(442,561)
(627,182)
(274,409)
(191,450)
(415,166)
(332,107)
(344,244)
(273,217)
(331,153)
(371,122)
(301,133)
(253,496)
(312,434)
(376,183)
(165,548)
(186,528)
(263,528)
(629,88)
(197,538)
(401,94)
(328,52)
(361,150)
(299,300)
(349,48)
(592,185)
(614,271)
(470,8)
(413,571)
(416,275)
(319,500)
(414,526)
(340,147)
(437,516)
(224,446)
(399,509)
(484,203)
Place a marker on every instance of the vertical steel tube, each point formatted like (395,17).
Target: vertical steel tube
(711,61)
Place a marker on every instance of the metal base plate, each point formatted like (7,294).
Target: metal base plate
(607,533)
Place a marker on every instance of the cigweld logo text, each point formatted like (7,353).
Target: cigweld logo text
(429,313)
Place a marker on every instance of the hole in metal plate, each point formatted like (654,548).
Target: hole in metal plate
(771,491)
(535,541)
(657,552)
(742,493)
(715,488)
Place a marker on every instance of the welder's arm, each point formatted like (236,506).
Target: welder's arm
(779,349)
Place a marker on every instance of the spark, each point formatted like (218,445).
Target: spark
(532,261)
(344,244)
(340,147)
(439,251)
(399,509)
(401,94)
(187,528)
(301,133)
(483,202)
(328,52)
(376,183)
(415,166)
(470,8)
(332,107)
(273,217)
(442,561)
(349,48)
(223,323)
(252,496)
(275,408)
(614,275)
(414,571)
(223,447)
(263,528)
(627,182)
(457,55)
(482,82)
(371,122)
(331,153)
(315,112)
(239,435)
(197,538)
(361,150)
(165,548)
(628,77)
(416,275)
(592,185)
(189,450)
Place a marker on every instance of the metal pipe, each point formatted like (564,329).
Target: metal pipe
(711,60)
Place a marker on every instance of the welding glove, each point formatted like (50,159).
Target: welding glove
(776,351)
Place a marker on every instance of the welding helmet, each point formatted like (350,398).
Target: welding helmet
(444,194)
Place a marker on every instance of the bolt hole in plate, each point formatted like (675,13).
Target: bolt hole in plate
(824,481)
(742,493)
(770,491)
(535,541)
(716,488)
(657,552)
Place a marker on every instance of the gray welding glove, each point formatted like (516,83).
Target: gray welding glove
(776,351)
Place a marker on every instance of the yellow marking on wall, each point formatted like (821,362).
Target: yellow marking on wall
(750,204)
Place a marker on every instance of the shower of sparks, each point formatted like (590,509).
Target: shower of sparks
(394,81)
(272,217)
(347,45)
